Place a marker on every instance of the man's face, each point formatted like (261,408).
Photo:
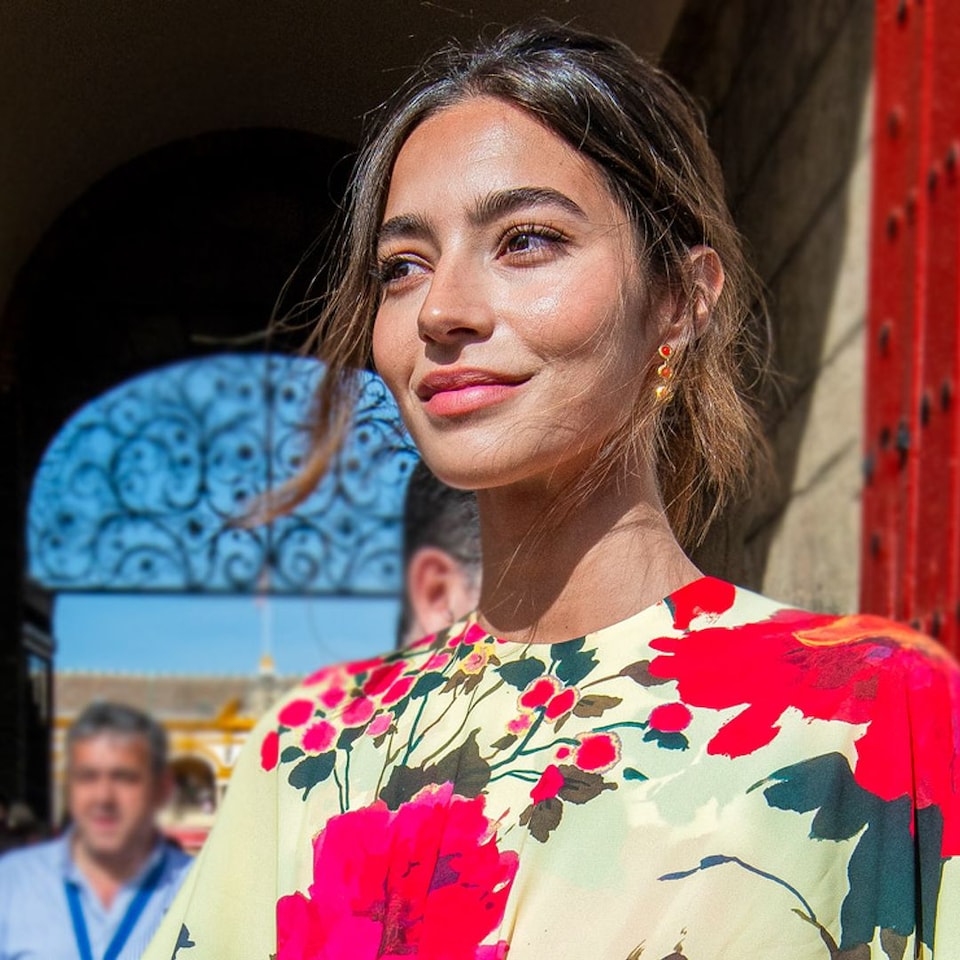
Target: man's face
(114,793)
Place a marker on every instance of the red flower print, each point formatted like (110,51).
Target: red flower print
(270,750)
(471,635)
(425,881)
(539,692)
(704,596)
(548,786)
(562,703)
(357,712)
(318,737)
(598,752)
(397,691)
(381,678)
(858,669)
(670,717)
(296,712)
(359,666)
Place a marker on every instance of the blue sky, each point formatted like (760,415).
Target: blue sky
(216,634)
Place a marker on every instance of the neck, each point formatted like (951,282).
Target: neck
(108,872)
(551,574)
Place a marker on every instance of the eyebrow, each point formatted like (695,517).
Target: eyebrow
(503,202)
(486,210)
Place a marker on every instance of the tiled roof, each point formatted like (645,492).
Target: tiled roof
(165,695)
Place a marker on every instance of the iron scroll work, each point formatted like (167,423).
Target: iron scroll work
(142,488)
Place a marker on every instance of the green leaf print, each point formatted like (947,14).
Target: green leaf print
(428,682)
(463,767)
(580,786)
(594,705)
(312,770)
(639,672)
(290,754)
(519,673)
(542,818)
(890,842)
(572,664)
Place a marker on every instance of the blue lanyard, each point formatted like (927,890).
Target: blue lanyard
(128,922)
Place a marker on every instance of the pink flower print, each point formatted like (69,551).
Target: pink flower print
(320,675)
(475,661)
(332,698)
(548,786)
(380,724)
(539,692)
(319,737)
(424,881)
(562,703)
(563,753)
(397,691)
(670,717)
(598,752)
(437,662)
(296,713)
(520,724)
(357,712)
(270,750)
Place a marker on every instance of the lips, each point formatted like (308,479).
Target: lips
(460,391)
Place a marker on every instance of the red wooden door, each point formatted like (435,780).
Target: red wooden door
(911,507)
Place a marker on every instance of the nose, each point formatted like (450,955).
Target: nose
(457,306)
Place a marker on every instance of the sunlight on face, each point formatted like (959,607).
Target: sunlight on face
(511,327)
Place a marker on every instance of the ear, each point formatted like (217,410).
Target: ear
(439,589)
(689,321)
(707,275)
(164,788)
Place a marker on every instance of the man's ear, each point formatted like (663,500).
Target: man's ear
(436,584)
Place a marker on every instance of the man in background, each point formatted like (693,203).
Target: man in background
(441,556)
(100,889)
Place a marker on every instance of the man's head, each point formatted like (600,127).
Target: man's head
(441,555)
(117,779)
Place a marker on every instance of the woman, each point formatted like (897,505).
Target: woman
(540,262)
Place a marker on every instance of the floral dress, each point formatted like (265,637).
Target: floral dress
(718,776)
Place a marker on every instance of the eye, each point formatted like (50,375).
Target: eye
(393,270)
(527,239)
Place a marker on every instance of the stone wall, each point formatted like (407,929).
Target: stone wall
(786,90)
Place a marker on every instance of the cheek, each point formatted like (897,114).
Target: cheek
(387,352)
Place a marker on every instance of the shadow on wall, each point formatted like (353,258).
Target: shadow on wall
(785,88)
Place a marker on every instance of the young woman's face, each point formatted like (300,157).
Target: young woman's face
(511,327)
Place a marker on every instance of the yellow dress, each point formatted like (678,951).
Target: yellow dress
(718,776)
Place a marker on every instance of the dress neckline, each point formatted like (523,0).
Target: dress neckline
(704,594)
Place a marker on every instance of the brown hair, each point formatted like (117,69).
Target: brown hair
(647,139)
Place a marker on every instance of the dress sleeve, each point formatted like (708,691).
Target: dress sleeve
(226,905)
(934,720)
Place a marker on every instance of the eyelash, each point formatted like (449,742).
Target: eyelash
(383,270)
(536,230)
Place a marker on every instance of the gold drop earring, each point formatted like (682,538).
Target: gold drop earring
(664,389)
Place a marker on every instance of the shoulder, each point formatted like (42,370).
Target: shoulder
(178,862)
(40,859)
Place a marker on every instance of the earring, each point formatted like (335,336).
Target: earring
(665,373)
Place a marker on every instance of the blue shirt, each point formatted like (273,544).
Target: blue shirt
(35,919)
